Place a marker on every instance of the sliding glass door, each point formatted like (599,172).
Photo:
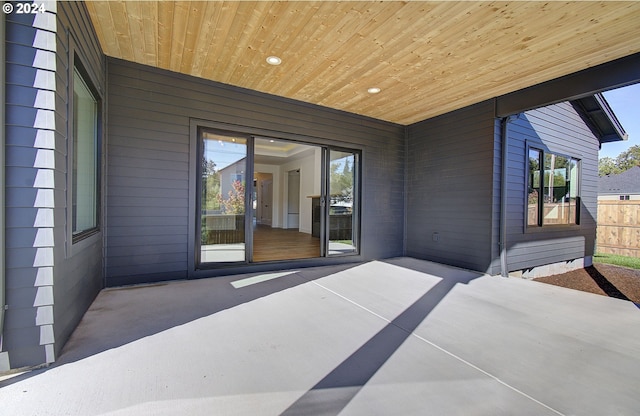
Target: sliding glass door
(287,181)
(222,197)
(343,202)
(263,200)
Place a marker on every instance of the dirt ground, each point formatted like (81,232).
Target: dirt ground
(603,279)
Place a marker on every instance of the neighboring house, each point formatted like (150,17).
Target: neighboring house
(102,171)
(624,186)
(619,213)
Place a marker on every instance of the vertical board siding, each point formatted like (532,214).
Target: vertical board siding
(450,187)
(560,129)
(148,166)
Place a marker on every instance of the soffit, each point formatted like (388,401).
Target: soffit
(601,118)
(427,58)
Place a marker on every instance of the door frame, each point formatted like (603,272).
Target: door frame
(197,269)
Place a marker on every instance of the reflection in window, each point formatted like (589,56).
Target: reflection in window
(342,203)
(533,216)
(84,198)
(222,201)
(553,197)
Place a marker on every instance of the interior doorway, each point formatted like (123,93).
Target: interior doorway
(263,207)
(283,211)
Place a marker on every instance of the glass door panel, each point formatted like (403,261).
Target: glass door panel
(263,200)
(287,180)
(222,197)
(342,207)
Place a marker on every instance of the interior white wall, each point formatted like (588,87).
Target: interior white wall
(309,185)
(277,217)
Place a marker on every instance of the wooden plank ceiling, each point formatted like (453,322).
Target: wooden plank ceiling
(427,58)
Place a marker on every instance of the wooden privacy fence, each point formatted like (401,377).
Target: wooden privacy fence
(619,227)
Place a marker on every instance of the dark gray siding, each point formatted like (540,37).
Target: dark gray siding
(560,129)
(40,269)
(450,187)
(30,187)
(148,165)
(78,271)
(4,356)
(494,268)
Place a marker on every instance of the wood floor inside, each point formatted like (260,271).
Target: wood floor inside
(279,244)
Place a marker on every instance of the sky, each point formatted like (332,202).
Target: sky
(625,103)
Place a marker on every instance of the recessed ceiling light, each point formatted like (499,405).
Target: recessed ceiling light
(274,60)
(373,90)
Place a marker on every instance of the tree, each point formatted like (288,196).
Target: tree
(607,166)
(628,159)
(208,167)
(341,183)
(210,185)
(623,162)
(234,203)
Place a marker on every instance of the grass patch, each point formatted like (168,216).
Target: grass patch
(631,262)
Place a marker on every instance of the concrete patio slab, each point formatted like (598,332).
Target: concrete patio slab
(402,336)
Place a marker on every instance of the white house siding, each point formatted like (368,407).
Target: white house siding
(631,197)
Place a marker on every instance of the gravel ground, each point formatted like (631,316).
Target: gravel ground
(602,279)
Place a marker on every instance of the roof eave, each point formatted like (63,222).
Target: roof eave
(596,112)
(620,133)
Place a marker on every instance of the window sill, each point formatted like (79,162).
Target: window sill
(84,240)
(551,228)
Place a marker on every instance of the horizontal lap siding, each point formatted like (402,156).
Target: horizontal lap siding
(449,183)
(148,172)
(78,274)
(31,161)
(148,182)
(49,288)
(494,268)
(560,129)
